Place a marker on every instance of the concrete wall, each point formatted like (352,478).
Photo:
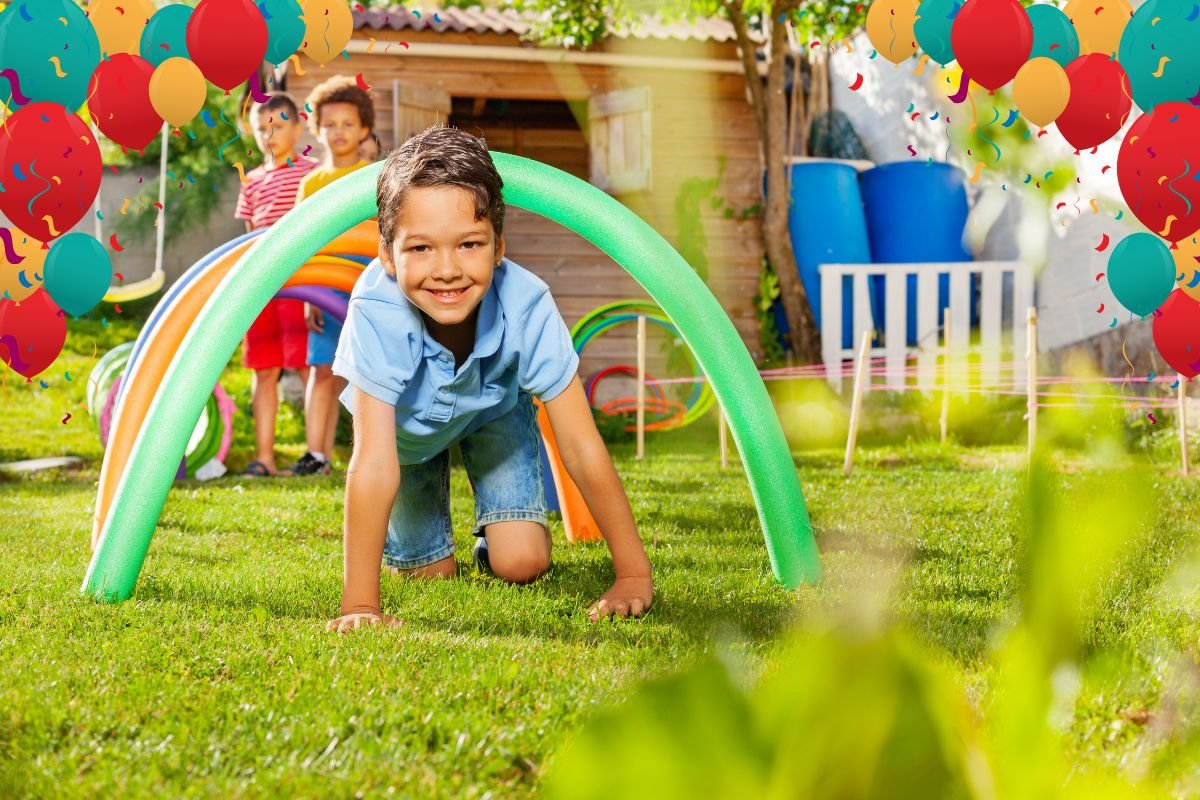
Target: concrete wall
(137,260)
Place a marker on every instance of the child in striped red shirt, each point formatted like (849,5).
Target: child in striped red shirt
(278,339)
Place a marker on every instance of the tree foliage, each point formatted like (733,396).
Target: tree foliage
(199,165)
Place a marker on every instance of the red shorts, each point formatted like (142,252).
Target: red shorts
(278,338)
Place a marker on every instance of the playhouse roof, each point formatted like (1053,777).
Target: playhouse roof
(502,21)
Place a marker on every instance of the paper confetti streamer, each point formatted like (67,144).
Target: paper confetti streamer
(241,171)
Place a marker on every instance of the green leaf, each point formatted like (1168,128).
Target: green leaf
(683,737)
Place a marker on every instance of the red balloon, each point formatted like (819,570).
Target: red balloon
(119,99)
(992,40)
(39,143)
(1156,168)
(227,39)
(1177,333)
(32,332)
(1099,104)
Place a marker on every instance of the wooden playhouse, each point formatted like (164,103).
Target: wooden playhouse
(657,116)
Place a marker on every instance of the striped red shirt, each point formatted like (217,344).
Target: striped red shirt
(269,194)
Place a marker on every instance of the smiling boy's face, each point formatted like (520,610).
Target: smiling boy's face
(443,258)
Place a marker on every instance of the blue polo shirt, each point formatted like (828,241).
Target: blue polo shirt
(521,344)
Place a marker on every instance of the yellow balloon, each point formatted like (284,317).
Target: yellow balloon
(1187,264)
(119,23)
(1099,24)
(177,91)
(1041,90)
(890,28)
(328,25)
(26,268)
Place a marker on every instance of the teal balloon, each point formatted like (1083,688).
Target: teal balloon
(1141,273)
(167,27)
(285,29)
(77,273)
(31,33)
(935,18)
(1053,34)
(1146,42)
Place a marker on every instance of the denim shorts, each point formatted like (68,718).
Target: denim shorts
(505,471)
(322,346)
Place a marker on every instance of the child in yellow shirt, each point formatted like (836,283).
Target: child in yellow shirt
(342,119)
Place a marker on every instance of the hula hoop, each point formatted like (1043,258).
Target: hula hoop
(247,287)
(596,322)
(622,369)
(598,327)
(625,405)
(220,409)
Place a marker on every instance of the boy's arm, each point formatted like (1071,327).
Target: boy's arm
(590,466)
(372,480)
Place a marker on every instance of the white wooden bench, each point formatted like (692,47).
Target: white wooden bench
(1001,337)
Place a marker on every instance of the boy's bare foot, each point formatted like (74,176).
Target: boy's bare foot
(446,568)
(362,619)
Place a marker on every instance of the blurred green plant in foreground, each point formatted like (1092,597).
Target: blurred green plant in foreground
(860,709)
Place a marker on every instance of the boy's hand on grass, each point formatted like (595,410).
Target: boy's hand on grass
(628,597)
(314,318)
(368,618)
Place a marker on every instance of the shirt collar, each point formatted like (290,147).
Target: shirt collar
(489,328)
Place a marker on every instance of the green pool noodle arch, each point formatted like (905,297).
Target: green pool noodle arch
(573,203)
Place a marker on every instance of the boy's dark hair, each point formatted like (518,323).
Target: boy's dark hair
(278,101)
(439,156)
(340,89)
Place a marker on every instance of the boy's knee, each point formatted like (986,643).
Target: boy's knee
(520,566)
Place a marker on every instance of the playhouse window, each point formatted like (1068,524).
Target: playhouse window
(620,140)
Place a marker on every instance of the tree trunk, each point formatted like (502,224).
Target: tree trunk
(805,338)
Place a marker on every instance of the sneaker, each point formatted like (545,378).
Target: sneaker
(481,556)
(309,465)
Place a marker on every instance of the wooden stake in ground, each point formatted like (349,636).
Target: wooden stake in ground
(945,420)
(860,378)
(641,386)
(722,437)
(1183,432)
(1031,380)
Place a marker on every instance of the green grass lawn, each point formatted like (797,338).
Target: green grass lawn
(218,679)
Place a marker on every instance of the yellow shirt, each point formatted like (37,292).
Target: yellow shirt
(321,177)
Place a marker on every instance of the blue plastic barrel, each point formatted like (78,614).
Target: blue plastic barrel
(827,226)
(916,213)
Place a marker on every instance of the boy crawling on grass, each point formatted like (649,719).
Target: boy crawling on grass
(446,342)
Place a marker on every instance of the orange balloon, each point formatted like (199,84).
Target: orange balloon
(1099,24)
(1187,264)
(1041,90)
(328,26)
(890,28)
(177,91)
(119,24)
(20,276)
